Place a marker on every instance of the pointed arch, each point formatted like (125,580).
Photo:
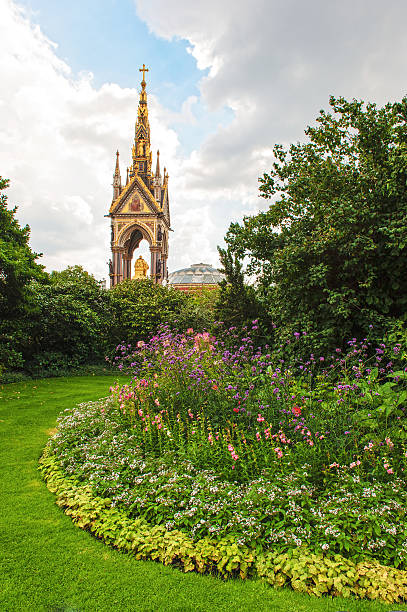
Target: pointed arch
(127,231)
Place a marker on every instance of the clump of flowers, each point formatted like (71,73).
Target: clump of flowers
(212,435)
(217,396)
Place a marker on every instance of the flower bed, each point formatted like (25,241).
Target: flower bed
(219,443)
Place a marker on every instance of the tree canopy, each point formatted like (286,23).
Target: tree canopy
(18,267)
(330,253)
(138,307)
(18,264)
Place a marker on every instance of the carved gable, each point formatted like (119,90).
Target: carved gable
(134,199)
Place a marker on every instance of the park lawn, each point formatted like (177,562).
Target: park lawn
(46,563)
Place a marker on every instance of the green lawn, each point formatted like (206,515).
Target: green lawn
(46,563)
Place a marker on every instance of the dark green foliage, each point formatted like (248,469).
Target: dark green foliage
(330,253)
(69,326)
(139,307)
(238,304)
(17,261)
(18,268)
(203,305)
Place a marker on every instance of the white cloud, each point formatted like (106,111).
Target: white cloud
(273,62)
(58,140)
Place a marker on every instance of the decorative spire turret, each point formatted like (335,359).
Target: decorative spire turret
(157,180)
(157,169)
(141,151)
(117,181)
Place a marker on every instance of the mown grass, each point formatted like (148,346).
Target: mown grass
(46,563)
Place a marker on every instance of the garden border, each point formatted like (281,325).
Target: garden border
(303,571)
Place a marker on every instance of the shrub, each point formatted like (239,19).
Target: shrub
(139,307)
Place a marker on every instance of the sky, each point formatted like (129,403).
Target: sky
(227,80)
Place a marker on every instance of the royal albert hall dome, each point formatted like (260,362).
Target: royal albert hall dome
(195,277)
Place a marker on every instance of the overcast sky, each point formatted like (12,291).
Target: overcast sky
(227,80)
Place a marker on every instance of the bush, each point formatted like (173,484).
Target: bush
(138,308)
(304,571)
(70,324)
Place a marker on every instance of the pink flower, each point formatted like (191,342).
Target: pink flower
(258,436)
(389,442)
(140,344)
(296,410)
(157,401)
(190,330)
(260,418)
(235,456)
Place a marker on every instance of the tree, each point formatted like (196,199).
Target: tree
(330,252)
(71,324)
(237,304)
(18,268)
(17,261)
(138,307)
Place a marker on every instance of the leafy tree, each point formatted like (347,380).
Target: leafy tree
(18,268)
(330,253)
(138,307)
(17,261)
(238,305)
(72,320)
(203,306)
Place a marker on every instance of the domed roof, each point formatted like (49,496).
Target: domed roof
(201,273)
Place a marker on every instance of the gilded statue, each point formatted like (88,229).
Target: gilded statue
(140,268)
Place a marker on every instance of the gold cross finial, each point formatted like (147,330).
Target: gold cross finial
(143,70)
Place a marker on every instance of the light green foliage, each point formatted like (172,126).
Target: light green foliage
(331,251)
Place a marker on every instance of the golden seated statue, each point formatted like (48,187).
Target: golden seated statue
(140,268)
